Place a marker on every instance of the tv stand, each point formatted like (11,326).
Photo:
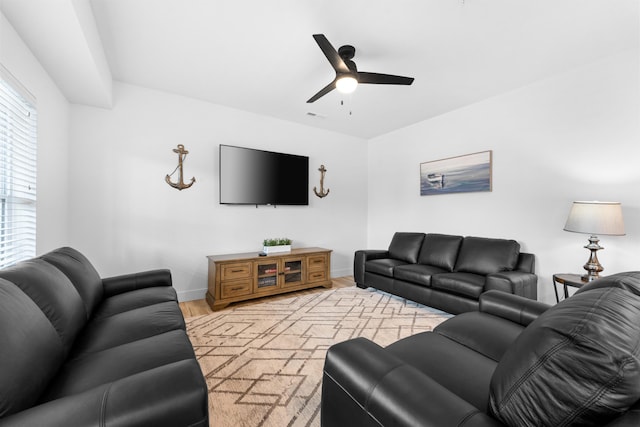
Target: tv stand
(240,277)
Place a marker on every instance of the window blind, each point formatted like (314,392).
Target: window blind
(18,149)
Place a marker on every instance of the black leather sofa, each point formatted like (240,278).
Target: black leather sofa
(78,350)
(515,362)
(446,271)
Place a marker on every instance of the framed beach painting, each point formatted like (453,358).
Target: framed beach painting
(461,174)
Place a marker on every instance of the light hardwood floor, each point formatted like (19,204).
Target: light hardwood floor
(200,307)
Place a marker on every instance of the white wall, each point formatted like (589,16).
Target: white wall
(101,187)
(126,218)
(571,137)
(53,119)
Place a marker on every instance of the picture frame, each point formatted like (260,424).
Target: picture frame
(460,174)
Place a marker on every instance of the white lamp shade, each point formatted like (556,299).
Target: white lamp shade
(346,84)
(596,218)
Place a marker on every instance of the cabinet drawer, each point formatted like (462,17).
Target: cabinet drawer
(235,288)
(317,262)
(235,271)
(316,276)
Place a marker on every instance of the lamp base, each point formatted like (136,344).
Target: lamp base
(592,266)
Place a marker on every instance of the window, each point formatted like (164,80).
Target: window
(17,171)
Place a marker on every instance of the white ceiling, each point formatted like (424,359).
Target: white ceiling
(259,56)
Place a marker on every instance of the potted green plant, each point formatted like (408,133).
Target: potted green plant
(270,246)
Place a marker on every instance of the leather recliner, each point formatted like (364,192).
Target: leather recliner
(79,350)
(514,362)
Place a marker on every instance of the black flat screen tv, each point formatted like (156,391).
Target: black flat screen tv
(257,177)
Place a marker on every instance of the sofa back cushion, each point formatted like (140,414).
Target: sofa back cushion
(440,250)
(481,255)
(406,246)
(82,274)
(53,293)
(626,280)
(576,364)
(30,350)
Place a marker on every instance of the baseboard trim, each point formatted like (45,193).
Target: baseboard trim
(192,295)
(342,273)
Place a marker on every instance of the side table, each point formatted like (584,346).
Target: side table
(574,280)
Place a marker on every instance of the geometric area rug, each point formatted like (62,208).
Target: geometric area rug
(263,362)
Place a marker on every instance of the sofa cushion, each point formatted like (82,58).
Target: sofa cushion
(30,350)
(135,299)
(53,293)
(467,284)
(482,255)
(384,266)
(487,334)
(440,250)
(406,246)
(417,273)
(81,272)
(168,396)
(122,328)
(102,367)
(460,369)
(590,344)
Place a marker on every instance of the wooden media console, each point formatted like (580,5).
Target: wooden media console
(239,277)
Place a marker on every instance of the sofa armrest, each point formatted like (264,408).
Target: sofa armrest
(526,263)
(363,256)
(130,282)
(514,282)
(365,386)
(169,396)
(515,308)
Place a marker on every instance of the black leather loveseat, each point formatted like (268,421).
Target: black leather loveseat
(515,362)
(446,271)
(78,350)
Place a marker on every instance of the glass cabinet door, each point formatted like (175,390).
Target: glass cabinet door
(267,275)
(292,271)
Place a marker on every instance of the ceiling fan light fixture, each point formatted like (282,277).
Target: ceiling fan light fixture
(346,84)
(347,75)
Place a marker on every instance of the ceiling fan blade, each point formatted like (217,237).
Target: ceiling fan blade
(383,79)
(331,53)
(328,88)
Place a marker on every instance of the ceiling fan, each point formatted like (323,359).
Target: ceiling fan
(347,75)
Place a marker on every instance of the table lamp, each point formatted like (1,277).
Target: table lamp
(595,218)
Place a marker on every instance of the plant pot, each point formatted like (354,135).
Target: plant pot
(274,249)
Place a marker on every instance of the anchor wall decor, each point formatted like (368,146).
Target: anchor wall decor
(321,193)
(180,185)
